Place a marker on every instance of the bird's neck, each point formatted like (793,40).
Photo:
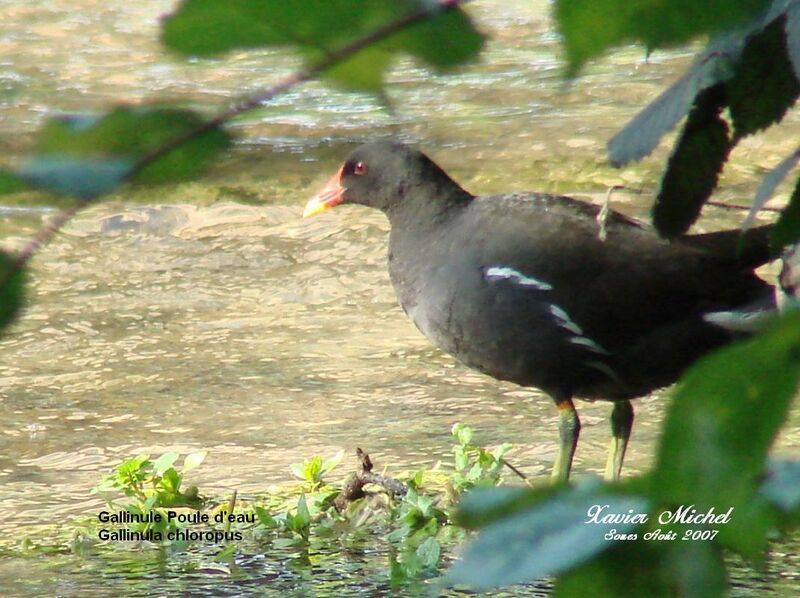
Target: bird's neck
(428,204)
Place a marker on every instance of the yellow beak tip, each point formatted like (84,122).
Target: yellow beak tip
(313,208)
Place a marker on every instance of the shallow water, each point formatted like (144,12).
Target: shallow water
(209,316)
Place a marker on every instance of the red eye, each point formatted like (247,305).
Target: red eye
(360,168)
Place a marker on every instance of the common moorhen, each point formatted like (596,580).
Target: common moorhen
(524,287)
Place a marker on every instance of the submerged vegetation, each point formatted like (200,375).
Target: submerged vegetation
(148,508)
(415,534)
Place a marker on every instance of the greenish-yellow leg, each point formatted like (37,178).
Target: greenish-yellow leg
(569,428)
(621,423)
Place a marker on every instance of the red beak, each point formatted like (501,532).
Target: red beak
(332,194)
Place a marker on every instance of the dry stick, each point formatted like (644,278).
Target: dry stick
(517,471)
(354,485)
(734,206)
(332,59)
(710,202)
(42,236)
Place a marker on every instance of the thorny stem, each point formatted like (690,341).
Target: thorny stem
(426,10)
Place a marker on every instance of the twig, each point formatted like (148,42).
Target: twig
(734,206)
(354,485)
(518,472)
(42,237)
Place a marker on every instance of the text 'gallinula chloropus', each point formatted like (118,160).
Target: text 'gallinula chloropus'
(523,287)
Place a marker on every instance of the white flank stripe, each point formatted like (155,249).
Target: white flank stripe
(585,341)
(739,321)
(504,272)
(564,320)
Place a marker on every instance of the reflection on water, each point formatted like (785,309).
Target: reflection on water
(209,316)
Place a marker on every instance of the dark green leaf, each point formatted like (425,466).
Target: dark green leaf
(782,486)
(787,229)
(265,518)
(86,157)
(319,27)
(481,506)
(428,553)
(769,184)
(641,135)
(12,289)
(764,86)
(628,570)
(127,134)
(694,165)
(75,177)
(545,539)
(792,29)
(227,554)
(648,568)
(11,183)
(303,516)
(590,28)
(723,418)
(696,569)
(443,41)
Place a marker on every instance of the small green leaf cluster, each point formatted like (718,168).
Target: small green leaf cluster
(316,469)
(475,465)
(417,528)
(152,485)
(421,529)
(12,289)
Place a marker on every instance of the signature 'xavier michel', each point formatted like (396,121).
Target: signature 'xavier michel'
(522,287)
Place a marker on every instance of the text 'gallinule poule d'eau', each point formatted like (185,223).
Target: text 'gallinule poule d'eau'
(522,287)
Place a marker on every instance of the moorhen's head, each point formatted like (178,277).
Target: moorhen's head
(384,175)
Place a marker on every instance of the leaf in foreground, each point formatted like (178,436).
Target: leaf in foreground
(648,568)
(590,28)
(720,425)
(89,156)
(764,86)
(787,229)
(717,63)
(545,539)
(317,28)
(12,289)
(694,165)
(83,179)
(782,486)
